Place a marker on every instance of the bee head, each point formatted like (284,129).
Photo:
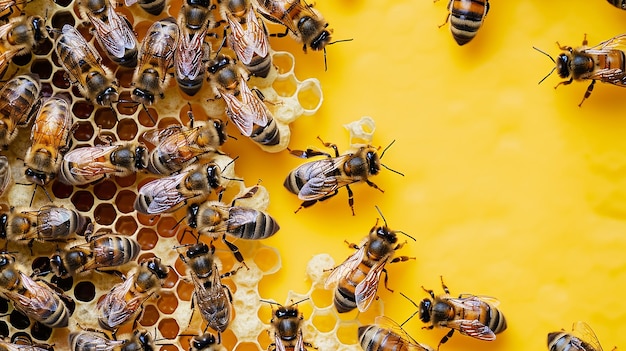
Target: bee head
(6,260)
(286,312)
(196,250)
(200,342)
(144,339)
(142,96)
(57,266)
(154,265)
(562,65)
(218,63)
(141,157)
(425,306)
(39,28)
(39,178)
(213,174)
(4,219)
(192,216)
(373,161)
(220,128)
(107,96)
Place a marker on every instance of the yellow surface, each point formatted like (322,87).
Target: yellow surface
(510,188)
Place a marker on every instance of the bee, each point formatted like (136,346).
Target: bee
(35,299)
(205,342)
(19,103)
(178,146)
(6,345)
(321,179)
(471,315)
(113,31)
(620,4)
(91,339)
(153,7)
(387,335)
(195,182)
(49,223)
(302,21)
(582,338)
(125,299)
(100,252)
(244,108)
(357,278)
(49,138)
(466,17)
(22,33)
(88,164)
(214,300)
(604,62)
(83,64)
(247,36)
(156,56)
(5,174)
(286,324)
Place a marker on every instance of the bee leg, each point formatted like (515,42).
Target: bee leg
(565,82)
(350,198)
(445,338)
(446,22)
(234,249)
(444,286)
(588,92)
(280,35)
(305,204)
(352,245)
(401,259)
(370,183)
(330,145)
(386,279)
(430,292)
(308,153)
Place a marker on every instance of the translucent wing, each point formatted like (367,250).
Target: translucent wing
(585,333)
(115,36)
(158,135)
(190,54)
(80,53)
(365,291)
(39,301)
(51,128)
(258,109)
(239,217)
(471,327)
(91,161)
(278,11)
(238,40)
(616,43)
(15,347)
(115,309)
(390,325)
(238,113)
(349,265)
(164,193)
(321,178)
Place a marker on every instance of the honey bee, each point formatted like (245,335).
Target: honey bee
(205,342)
(100,252)
(603,62)
(22,33)
(167,194)
(321,179)
(243,107)
(247,36)
(5,174)
(287,328)
(125,299)
(49,138)
(156,56)
(91,339)
(49,223)
(620,4)
(303,22)
(466,17)
(214,300)
(471,315)
(387,335)
(153,7)
(582,338)
(178,146)
(357,278)
(113,31)
(88,164)
(19,103)
(35,299)
(6,345)
(83,64)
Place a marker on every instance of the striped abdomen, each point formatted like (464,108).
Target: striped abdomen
(251,224)
(466,17)
(268,135)
(563,341)
(618,3)
(345,300)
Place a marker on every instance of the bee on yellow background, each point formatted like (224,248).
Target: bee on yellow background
(387,335)
(475,316)
(83,64)
(466,17)
(287,328)
(19,103)
(620,4)
(358,277)
(113,31)
(49,138)
(156,57)
(34,299)
(582,338)
(604,62)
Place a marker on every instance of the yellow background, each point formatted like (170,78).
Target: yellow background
(510,188)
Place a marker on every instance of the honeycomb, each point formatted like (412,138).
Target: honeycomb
(109,203)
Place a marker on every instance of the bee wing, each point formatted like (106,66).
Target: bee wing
(585,333)
(159,43)
(350,264)
(49,218)
(164,192)
(158,135)
(40,299)
(278,342)
(6,28)
(258,34)
(239,113)
(259,112)
(78,47)
(365,291)
(389,324)
(189,55)
(130,2)
(115,308)
(16,347)
(114,34)
(87,160)
(299,342)
(239,40)
(277,12)
(240,216)
(5,58)
(320,181)
(492,301)
(473,328)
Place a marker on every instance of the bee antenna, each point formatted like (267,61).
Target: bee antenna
(331,43)
(270,302)
(393,170)
(295,303)
(551,58)
(381,214)
(414,304)
(148,113)
(400,231)
(177,223)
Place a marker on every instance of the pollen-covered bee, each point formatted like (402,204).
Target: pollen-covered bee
(35,299)
(49,138)
(214,300)
(358,277)
(303,22)
(83,64)
(156,56)
(195,182)
(247,36)
(321,179)
(471,315)
(49,223)
(125,300)
(5,174)
(100,252)
(620,4)
(582,338)
(113,31)
(90,339)
(178,146)
(287,328)
(243,107)
(205,342)
(466,17)
(19,103)
(603,62)
(387,335)
(88,164)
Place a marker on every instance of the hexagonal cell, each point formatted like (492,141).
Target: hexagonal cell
(167,226)
(284,62)
(104,214)
(286,86)
(347,333)
(61,18)
(18,320)
(168,328)
(43,68)
(310,95)
(127,129)
(105,190)
(83,200)
(148,117)
(22,60)
(167,302)
(125,200)
(147,238)
(105,118)
(247,346)
(150,315)
(126,225)
(126,181)
(60,81)
(322,297)
(184,290)
(267,259)
(324,321)
(126,106)
(84,291)
(83,131)
(40,331)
